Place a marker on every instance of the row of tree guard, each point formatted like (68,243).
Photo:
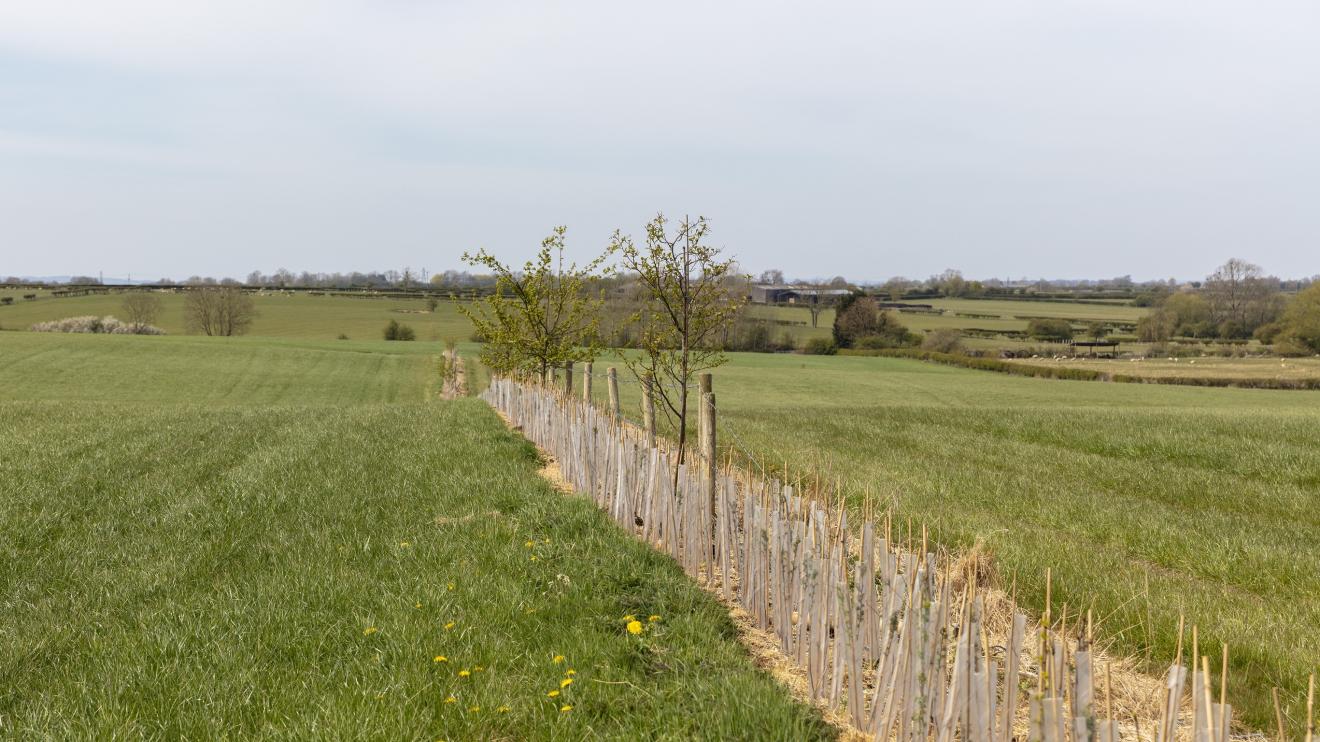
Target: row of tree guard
(898,645)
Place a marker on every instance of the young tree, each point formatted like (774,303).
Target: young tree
(218,311)
(141,308)
(686,305)
(538,318)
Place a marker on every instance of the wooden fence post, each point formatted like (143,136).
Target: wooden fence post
(648,409)
(710,465)
(612,381)
(568,378)
(586,382)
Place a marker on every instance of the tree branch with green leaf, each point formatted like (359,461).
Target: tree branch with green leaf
(541,317)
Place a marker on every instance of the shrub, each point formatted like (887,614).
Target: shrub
(96,325)
(342,336)
(29,296)
(820,347)
(1057,330)
(6,300)
(943,340)
(396,331)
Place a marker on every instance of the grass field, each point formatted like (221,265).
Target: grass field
(221,538)
(292,315)
(997,315)
(1220,368)
(1146,501)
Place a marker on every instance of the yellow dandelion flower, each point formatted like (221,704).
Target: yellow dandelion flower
(404,544)
(530,544)
(546,541)
(553,694)
(503,709)
(565,709)
(652,619)
(559,658)
(451,586)
(464,673)
(449,626)
(380,696)
(474,709)
(417,605)
(570,672)
(441,658)
(477,668)
(634,627)
(629,617)
(451,699)
(533,557)
(369,630)
(565,682)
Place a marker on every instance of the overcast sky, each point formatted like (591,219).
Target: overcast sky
(1058,138)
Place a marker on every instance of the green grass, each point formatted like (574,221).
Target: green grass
(1146,501)
(796,321)
(265,548)
(278,315)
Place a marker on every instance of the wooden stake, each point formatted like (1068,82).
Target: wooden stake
(612,383)
(1278,715)
(1223,696)
(586,382)
(1310,709)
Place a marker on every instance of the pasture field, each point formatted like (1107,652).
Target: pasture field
(995,315)
(231,558)
(279,314)
(1209,366)
(1145,501)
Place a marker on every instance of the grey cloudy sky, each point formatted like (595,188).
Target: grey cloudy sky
(870,139)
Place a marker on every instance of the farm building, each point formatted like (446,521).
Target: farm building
(784,294)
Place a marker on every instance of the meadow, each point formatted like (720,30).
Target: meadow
(1209,366)
(279,314)
(251,538)
(994,315)
(1147,502)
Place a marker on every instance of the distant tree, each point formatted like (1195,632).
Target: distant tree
(772,276)
(540,317)
(431,304)
(839,282)
(894,288)
(141,308)
(1301,321)
(1242,298)
(218,311)
(1053,330)
(1097,330)
(949,283)
(855,318)
(84,281)
(687,306)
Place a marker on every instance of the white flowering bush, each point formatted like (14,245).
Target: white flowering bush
(106,325)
